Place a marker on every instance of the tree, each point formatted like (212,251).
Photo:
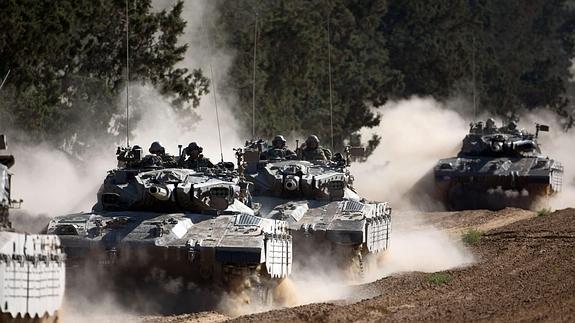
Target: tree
(519,63)
(292,79)
(68,63)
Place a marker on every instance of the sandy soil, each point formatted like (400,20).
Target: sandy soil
(525,272)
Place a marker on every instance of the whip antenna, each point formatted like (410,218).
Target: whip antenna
(473,76)
(127,74)
(213,83)
(254,81)
(329,76)
(4,80)
(217,114)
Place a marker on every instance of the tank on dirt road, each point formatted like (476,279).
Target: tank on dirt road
(330,222)
(191,224)
(497,168)
(32,269)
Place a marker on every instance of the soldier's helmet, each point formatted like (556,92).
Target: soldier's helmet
(279,142)
(490,123)
(193,147)
(156,148)
(312,142)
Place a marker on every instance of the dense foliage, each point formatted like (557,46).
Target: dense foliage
(292,80)
(68,58)
(519,52)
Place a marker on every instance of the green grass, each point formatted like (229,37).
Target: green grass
(544,212)
(439,278)
(472,236)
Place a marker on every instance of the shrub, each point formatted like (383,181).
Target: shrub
(439,278)
(544,212)
(472,236)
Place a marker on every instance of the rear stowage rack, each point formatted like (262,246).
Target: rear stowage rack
(556,179)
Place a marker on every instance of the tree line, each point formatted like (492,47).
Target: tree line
(511,55)
(67,61)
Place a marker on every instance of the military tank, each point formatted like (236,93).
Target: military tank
(196,225)
(497,168)
(329,221)
(32,266)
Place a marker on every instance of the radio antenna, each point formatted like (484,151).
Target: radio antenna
(4,80)
(329,76)
(473,76)
(127,73)
(213,83)
(254,81)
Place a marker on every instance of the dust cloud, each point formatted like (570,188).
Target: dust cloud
(417,246)
(53,182)
(415,134)
(558,144)
(157,120)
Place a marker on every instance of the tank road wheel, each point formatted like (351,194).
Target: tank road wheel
(275,292)
(264,293)
(238,284)
(356,266)
(48,319)
(7,317)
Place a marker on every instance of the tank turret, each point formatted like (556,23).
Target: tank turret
(197,225)
(496,168)
(328,219)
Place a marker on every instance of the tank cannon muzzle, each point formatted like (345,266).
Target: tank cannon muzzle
(291,183)
(160,193)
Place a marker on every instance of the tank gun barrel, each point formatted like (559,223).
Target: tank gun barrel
(160,193)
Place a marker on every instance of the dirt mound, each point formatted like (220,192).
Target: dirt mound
(525,272)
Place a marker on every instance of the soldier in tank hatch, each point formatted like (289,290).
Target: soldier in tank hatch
(476,127)
(510,128)
(490,126)
(195,159)
(130,157)
(156,149)
(313,151)
(278,150)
